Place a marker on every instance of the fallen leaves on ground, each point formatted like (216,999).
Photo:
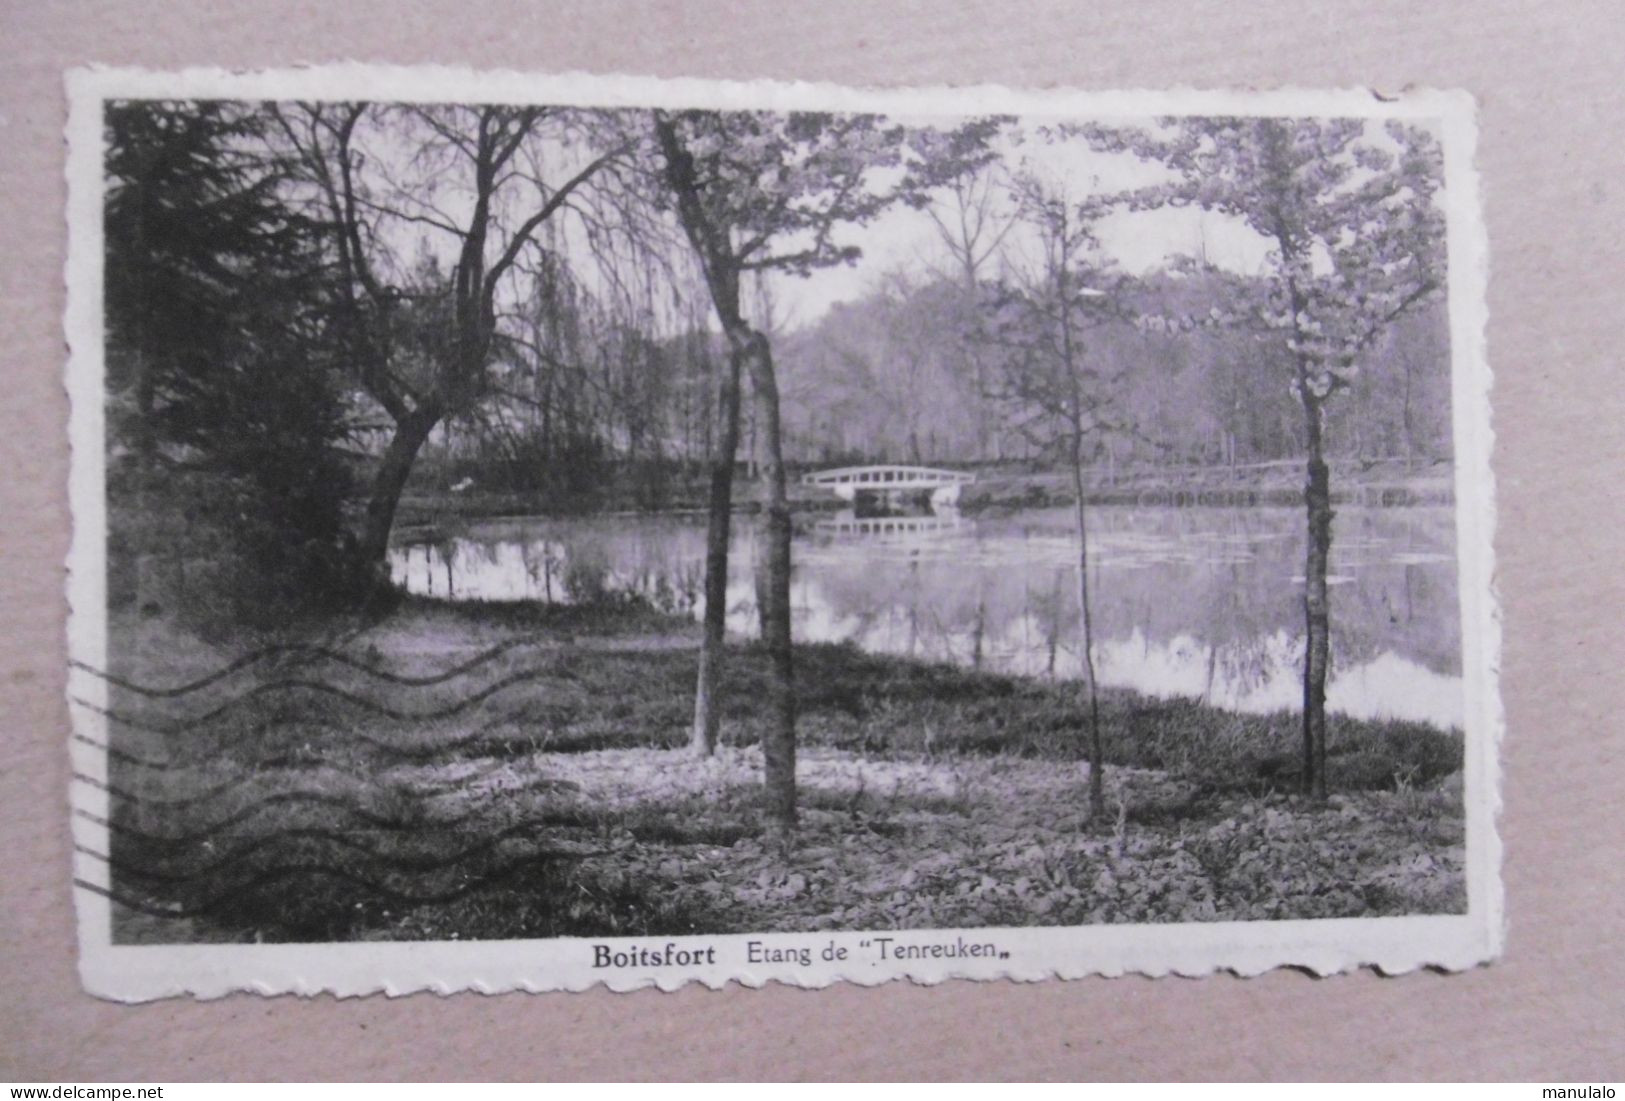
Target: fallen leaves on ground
(886,844)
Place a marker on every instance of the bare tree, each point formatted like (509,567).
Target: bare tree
(1055,392)
(486,158)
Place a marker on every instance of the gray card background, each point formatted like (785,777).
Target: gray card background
(1548,78)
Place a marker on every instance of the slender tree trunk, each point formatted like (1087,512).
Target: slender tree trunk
(708,685)
(913,607)
(759,571)
(1075,416)
(779,740)
(1317,503)
(410,433)
(547,420)
(1097,764)
(1316,604)
(1410,432)
(1054,640)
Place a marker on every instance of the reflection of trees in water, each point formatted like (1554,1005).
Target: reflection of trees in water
(1237,635)
(1221,577)
(559,562)
(543,559)
(1213,586)
(1405,599)
(1202,599)
(1240,589)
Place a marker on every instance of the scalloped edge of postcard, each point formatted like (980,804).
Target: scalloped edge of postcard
(1390,945)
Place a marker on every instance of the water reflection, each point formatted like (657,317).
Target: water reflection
(1189,602)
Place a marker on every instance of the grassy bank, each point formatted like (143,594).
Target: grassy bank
(542,789)
(1381,484)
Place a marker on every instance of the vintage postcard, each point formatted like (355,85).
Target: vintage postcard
(540,531)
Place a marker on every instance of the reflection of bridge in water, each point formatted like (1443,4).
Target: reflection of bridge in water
(848,482)
(890,526)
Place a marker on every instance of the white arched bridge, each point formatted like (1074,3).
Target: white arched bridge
(847,482)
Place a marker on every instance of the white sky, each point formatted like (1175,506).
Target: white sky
(1138,242)
(907,239)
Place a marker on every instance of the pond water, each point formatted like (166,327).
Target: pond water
(1199,602)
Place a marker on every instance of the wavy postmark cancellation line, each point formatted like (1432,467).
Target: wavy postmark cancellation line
(540,531)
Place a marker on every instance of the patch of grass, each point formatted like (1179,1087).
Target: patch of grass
(876,704)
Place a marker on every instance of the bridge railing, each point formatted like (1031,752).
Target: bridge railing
(888,477)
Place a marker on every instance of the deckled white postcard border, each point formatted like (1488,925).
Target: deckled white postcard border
(1392,945)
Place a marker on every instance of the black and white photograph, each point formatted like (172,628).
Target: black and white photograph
(534,532)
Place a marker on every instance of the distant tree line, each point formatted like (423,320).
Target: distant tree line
(887,379)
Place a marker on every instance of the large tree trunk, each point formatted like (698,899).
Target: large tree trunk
(1097,764)
(779,739)
(410,433)
(1316,605)
(708,684)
